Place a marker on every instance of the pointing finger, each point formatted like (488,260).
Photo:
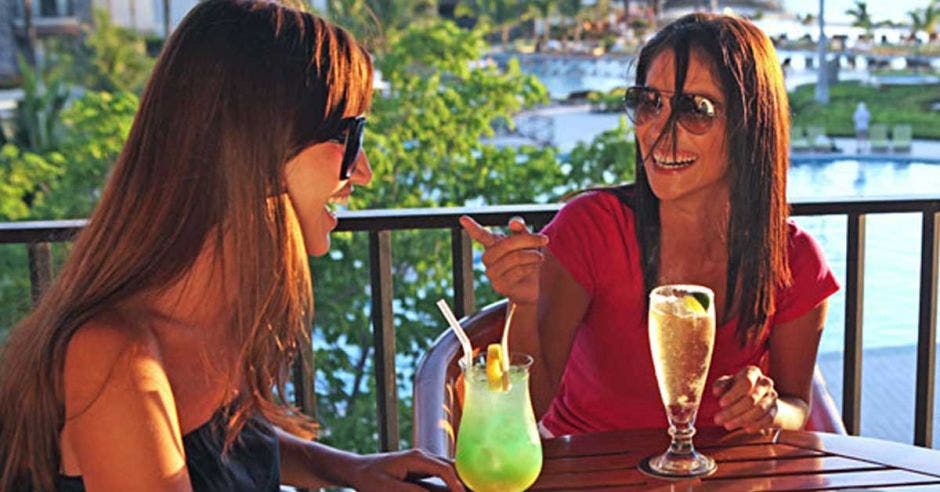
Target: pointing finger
(477,232)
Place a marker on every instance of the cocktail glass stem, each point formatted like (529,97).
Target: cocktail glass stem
(681,445)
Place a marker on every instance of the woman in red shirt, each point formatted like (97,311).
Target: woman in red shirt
(708,207)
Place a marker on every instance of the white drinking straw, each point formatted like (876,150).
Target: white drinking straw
(461,335)
(505,340)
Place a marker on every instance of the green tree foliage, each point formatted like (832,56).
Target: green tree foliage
(425,145)
(573,11)
(371,20)
(45,93)
(59,183)
(111,58)
(888,104)
(64,182)
(608,159)
(502,15)
(97,125)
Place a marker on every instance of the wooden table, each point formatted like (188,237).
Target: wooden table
(779,460)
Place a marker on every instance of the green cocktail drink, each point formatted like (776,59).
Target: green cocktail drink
(498,446)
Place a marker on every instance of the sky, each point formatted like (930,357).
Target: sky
(895,10)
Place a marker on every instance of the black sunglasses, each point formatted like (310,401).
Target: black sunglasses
(694,112)
(350,135)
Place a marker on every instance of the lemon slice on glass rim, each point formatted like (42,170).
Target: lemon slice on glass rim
(697,302)
(497,378)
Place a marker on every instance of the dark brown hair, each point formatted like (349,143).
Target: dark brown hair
(744,60)
(240,88)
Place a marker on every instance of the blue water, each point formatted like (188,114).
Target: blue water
(564,75)
(891,285)
(892,247)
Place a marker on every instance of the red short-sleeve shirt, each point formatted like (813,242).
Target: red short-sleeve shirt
(609,381)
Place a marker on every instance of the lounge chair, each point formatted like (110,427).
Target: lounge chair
(878,138)
(901,138)
(818,141)
(798,141)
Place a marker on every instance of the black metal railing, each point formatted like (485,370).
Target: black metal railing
(379,224)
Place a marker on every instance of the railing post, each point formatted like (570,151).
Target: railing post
(854,303)
(462,260)
(927,329)
(383,338)
(40,268)
(302,377)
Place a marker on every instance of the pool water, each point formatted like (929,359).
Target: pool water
(892,246)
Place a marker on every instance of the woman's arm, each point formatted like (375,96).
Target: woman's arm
(311,465)
(549,302)
(752,400)
(793,347)
(121,425)
(562,305)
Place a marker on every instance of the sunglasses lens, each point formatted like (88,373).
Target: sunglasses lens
(353,145)
(695,113)
(641,104)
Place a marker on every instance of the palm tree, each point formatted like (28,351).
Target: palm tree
(542,9)
(502,14)
(861,17)
(917,22)
(572,10)
(932,19)
(370,20)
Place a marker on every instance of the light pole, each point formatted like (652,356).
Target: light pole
(167,22)
(822,72)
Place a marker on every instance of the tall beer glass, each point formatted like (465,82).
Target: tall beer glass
(682,335)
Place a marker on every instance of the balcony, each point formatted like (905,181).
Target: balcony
(380,224)
(51,18)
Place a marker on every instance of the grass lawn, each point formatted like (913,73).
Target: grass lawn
(887,104)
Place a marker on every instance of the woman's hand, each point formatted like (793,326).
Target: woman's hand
(748,400)
(512,262)
(392,471)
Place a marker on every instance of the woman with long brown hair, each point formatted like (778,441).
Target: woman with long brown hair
(158,358)
(709,208)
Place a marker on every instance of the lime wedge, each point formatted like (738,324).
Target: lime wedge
(697,302)
(702,299)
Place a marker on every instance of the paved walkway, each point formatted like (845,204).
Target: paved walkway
(888,392)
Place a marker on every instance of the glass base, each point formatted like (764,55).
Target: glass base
(678,466)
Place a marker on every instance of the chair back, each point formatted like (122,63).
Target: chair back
(798,141)
(878,137)
(438,385)
(901,137)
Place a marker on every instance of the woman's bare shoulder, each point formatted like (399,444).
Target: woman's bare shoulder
(121,420)
(110,349)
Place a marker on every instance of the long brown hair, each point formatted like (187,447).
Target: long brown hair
(240,88)
(758,117)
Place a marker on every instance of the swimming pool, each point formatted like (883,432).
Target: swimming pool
(892,247)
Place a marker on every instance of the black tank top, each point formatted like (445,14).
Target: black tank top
(252,463)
